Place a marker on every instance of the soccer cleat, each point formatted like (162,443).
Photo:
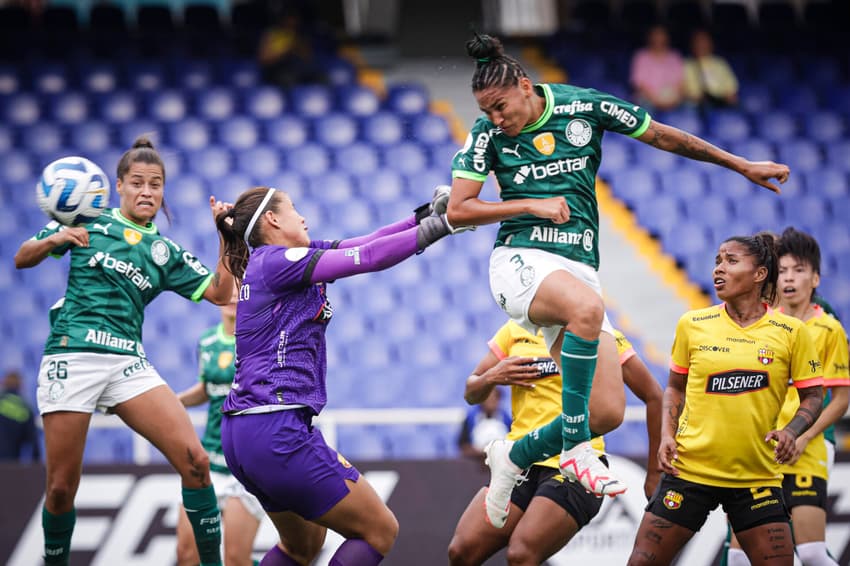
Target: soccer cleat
(503,476)
(581,463)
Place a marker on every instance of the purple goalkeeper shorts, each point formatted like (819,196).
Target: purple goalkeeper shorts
(285,462)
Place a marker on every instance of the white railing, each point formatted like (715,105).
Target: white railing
(331,419)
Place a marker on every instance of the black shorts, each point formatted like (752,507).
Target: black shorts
(688,504)
(799,489)
(547,482)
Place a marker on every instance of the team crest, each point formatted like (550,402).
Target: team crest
(526,275)
(159,252)
(545,143)
(132,237)
(673,499)
(345,463)
(766,356)
(579,132)
(225,359)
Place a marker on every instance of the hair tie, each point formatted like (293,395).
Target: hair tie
(257,214)
(483,59)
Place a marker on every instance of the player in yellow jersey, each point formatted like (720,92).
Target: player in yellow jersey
(805,477)
(729,373)
(547,511)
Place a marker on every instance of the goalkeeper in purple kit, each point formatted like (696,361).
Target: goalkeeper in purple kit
(268,438)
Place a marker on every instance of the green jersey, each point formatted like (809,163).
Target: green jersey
(558,154)
(216,354)
(125,267)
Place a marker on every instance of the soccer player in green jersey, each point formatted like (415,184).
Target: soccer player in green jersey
(241,512)
(543,143)
(94,357)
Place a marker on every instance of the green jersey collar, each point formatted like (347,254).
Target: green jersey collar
(149,229)
(547,110)
(222,337)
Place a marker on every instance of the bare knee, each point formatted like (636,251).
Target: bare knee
(187,554)
(59,496)
(460,551)
(194,467)
(382,538)
(520,553)
(238,556)
(585,320)
(606,417)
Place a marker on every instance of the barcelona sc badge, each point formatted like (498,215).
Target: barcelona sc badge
(766,356)
(672,499)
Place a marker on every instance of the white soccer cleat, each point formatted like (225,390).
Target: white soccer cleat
(581,463)
(503,477)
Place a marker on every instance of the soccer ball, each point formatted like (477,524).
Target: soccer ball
(72,191)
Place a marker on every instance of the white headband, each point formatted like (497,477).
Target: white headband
(257,214)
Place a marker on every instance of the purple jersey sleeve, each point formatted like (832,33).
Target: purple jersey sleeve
(375,255)
(289,267)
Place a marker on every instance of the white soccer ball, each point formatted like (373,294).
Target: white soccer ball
(72,190)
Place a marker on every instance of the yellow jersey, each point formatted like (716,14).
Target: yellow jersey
(737,379)
(533,408)
(831,345)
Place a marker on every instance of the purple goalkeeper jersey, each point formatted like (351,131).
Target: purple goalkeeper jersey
(283,312)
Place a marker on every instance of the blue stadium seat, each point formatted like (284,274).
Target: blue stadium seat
(339,72)
(90,137)
(10,80)
(382,129)
(754,149)
(109,446)
(335,130)
(243,74)
(311,101)
(189,134)
(286,131)
(798,98)
(210,163)
(407,99)
(443,154)
(98,78)
(664,212)
(686,119)
(762,209)
(430,129)
(69,108)
(381,186)
(238,132)
(167,106)
(821,72)
(617,154)
(129,131)
(17,167)
(358,159)
(636,184)
(118,107)
(437,389)
(144,77)
(421,185)
(42,138)
(801,155)
(187,191)
(775,126)
(838,155)
(660,161)
(334,188)
(686,182)
(215,104)
(49,78)
(411,442)
(729,126)
(264,103)
(809,210)
(193,75)
(229,186)
(407,158)
(361,443)
(824,127)
(22,109)
(755,98)
(837,98)
(7,138)
(309,159)
(724,182)
(777,72)
(259,161)
(358,101)
(289,181)
(828,182)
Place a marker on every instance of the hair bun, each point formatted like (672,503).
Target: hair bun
(143,141)
(484,48)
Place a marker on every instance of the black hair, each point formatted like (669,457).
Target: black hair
(762,247)
(142,151)
(233,223)
(492,67)
(800,245)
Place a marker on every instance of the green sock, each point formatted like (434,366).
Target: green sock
(578,363)
(57,535)
(202,508)
(537,445)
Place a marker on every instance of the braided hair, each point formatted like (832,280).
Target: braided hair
(492,67)
(762,247)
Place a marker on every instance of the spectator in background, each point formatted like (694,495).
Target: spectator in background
(285,54)
(18,437)
(709,80)
(483,423)
(657,73)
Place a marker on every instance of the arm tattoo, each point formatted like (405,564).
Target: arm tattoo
(682,143)
(811,403)
(216,280)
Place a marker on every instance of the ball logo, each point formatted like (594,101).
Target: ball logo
(545,143)
(159,252)
(673,499)
(579,132)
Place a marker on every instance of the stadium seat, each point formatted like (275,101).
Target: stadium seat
(10,80)
(339,72)
(187,191)
(838,155)
(801,155)
(7,138)
(635,185)
(145,77)
(22,110)
(129,131)
(409,442)
(686,119)
(335,130)
(358,159)
(90,137)
(69,108)
(358,101)
(442,155)
(380,186)
(189,134)
(361,443)
(42,138)
(229,185)
(660,161)
(755,98)
(333,188)
(382,129)
(309,159)
(167,106)
(407,158)
(311,101)
(260,162)
(805,210)
(828,182)
(617,156)
(407,99)
(16,167)
(192,75)
(824,127)
(211,163)
(215,104)
(242,74)
(264,103)
(49,78)
(729,126)
(430,129)
(776,126)
(421,185)
(686,182)
(799,99)
(118,107)
(290,182)
(286,131)
(754,149)
(238,132)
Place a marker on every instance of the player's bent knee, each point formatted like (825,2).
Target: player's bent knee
(59,497)
(520,553)
(586,318)
(460,551)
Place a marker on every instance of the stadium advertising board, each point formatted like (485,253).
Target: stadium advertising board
(126,515)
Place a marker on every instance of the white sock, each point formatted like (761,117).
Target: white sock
(815,554)
(737,557)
